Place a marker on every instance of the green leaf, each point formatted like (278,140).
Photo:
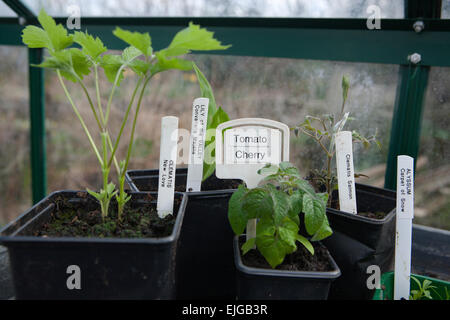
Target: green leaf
(206,92)
(314,213)
(248,245)
(53,37)
(114,63)
(141,41)
(257,203)
(236,216)
(268,169)
(280,203)
(305,243)
(345,87)
(35,37)
(81,65)
(71,63)
(129,54)
(272,248)
(209,164)
(286,165)
(92,47)
(265,227)
(295,205)
(96,195)
(111,64)
(164,64)
(323,232)
(304,186)
(192,38)
(323,196)
(288,231)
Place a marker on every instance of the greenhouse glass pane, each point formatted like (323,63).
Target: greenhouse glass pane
(280,89)
(432,187)
(445,12)
(6,11)
(15,174)
(224,8)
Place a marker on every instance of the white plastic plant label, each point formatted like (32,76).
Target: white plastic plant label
(345,172)
(197,144)
(243,146)
(167,165)
(405,214)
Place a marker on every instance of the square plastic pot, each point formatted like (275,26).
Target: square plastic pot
(109,268)
(386,292)
(205,256)
(268,284)
(358,242)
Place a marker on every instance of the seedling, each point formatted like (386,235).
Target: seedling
(73,63)
(423,289)
(276,204)
(323,130)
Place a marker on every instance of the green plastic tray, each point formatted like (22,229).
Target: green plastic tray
(387,287)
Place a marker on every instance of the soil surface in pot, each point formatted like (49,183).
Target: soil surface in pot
(83,219)
(300,260)
(320,187)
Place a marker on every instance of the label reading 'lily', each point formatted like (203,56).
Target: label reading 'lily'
(197,144)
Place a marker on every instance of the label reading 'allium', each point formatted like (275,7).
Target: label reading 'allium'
(197,144)
(345,172)
(167,165)
(252,145)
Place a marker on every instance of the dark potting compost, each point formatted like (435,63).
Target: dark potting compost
(83,219)
(44,251)
(300,260)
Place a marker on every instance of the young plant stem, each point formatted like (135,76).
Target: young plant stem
(329,189)
(133,128)
(104,203)
(100,127)
(97,90)
(125,119)
(80,118)
(122,197)
(113,89)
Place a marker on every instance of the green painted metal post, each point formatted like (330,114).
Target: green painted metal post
(406,123)
(37,126)
(405,132)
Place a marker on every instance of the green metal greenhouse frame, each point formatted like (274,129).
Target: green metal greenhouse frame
(300,38)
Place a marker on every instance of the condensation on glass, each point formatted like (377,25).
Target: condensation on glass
(432,181)
(5,11)
(15,174)
(225,8)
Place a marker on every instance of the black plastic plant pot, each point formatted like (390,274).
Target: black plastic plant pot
(205,268)
(108,268)
(359,242)
(269,284)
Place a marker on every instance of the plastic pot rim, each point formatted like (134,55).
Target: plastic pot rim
(326,275)
(5,239)
(357,217)
(129,180)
